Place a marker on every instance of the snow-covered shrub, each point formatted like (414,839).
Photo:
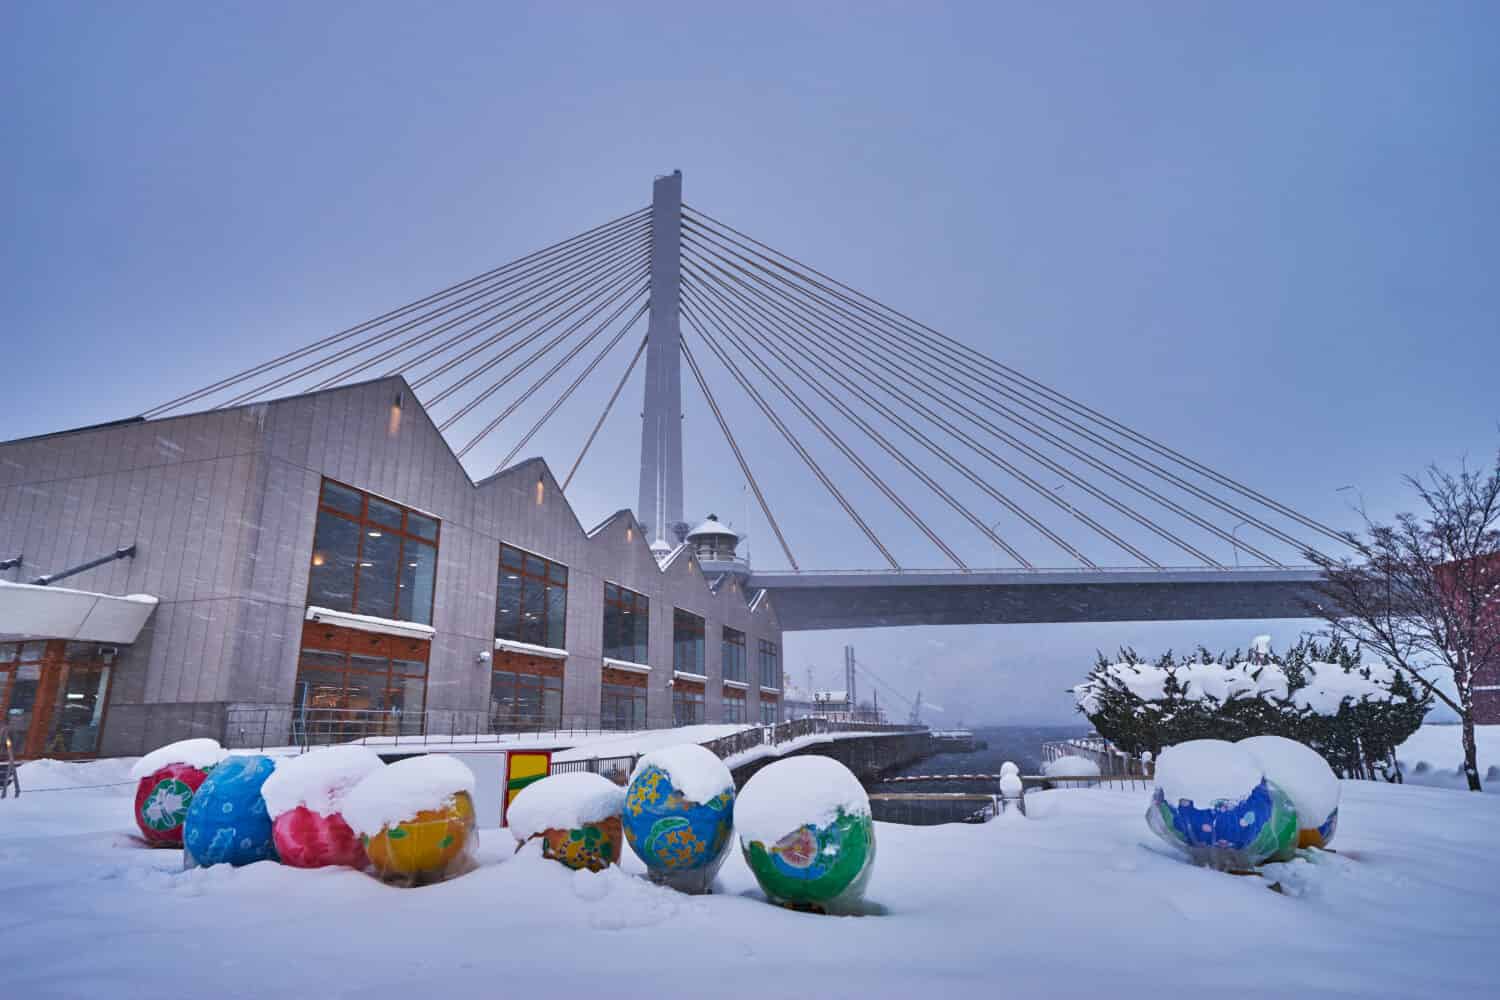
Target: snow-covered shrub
(1353,713)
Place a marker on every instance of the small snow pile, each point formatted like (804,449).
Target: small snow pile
(563,802)
(695,772)
(1071,766)
(399,791)
(201,753)
(799,791)
(1011,786)
(1206,771)
(1009,767)
(318,780)
(1301,772)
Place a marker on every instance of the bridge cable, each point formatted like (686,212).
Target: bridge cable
(609,405)
(739,456)
(962,367)
(572,353)
(788,337)
(358,328)
(776,421)
(915,328)
(567,393)
(844,360)
(596,261)
(818,307)
(622,267)
(622,283)
(564,276)
(858,421)
(822,425)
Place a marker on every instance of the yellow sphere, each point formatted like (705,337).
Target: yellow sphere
(425,844)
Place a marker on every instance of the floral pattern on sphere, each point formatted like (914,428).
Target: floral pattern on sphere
(227,821)
(682,842)
(428,847)
(162,799)
(594,846)
(816,867)
(1229,835)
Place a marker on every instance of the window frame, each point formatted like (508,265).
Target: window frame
(364,524)
(726,648)
(637,603)
(549,580)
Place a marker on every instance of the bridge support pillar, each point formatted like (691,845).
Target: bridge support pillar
(660,509)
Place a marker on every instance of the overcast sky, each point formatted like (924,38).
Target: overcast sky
(1265,234)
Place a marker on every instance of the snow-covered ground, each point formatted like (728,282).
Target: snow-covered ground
(1434,755)
(1076,900)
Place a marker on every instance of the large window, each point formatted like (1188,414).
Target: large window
(372,557)
(622,700)
(687,703)
(770,665)
(733,705)
(733,657)
(360,685)
(687,642)
(768,711)
(532,602)
(627,618)
(525,694)
(53,696)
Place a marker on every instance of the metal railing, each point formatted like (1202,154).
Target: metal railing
(259,727)
(1116,767)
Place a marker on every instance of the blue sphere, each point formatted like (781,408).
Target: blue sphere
(682,842)
(227,822)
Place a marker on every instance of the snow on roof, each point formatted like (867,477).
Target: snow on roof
(399,791)
(713,527)
(795,792)
(1205,771)
(695,771)
(201,753)
(563,802)
(318,779)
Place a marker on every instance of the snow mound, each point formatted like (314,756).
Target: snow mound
(318,780)
(1206,771)
(563,802)
(401,790)
(1071,766)
(1301,772)
(695,771)
(799,791)
(46,773)
(201,753)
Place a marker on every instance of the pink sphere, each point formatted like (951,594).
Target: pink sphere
(306,839)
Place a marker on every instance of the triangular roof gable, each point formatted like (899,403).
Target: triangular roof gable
(524,475)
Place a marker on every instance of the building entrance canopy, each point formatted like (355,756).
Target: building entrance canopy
(28,611)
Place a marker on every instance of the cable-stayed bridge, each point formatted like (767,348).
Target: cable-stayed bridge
(1088,518)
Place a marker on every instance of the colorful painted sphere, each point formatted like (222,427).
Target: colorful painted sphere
(682,842)
(1308,781)
(308,839)
(422,847)
(816,866)
(162,799)
(594,846)
(227,821)
(1226,834)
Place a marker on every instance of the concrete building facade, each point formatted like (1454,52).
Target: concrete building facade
(223,508)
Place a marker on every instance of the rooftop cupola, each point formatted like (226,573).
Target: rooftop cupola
(713,541)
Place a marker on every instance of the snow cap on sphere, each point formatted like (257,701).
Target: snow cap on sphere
(201,753)
(1009,767)
(795,792)
(1206,771)
(318,779)
(694,770)
(399,791)
(1011,786)
(1301,772)
(566,801)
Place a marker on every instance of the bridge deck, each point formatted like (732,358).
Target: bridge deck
(829,600)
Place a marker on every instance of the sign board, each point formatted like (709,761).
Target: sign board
(522,767)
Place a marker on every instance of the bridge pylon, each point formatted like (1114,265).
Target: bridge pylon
(660,508)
